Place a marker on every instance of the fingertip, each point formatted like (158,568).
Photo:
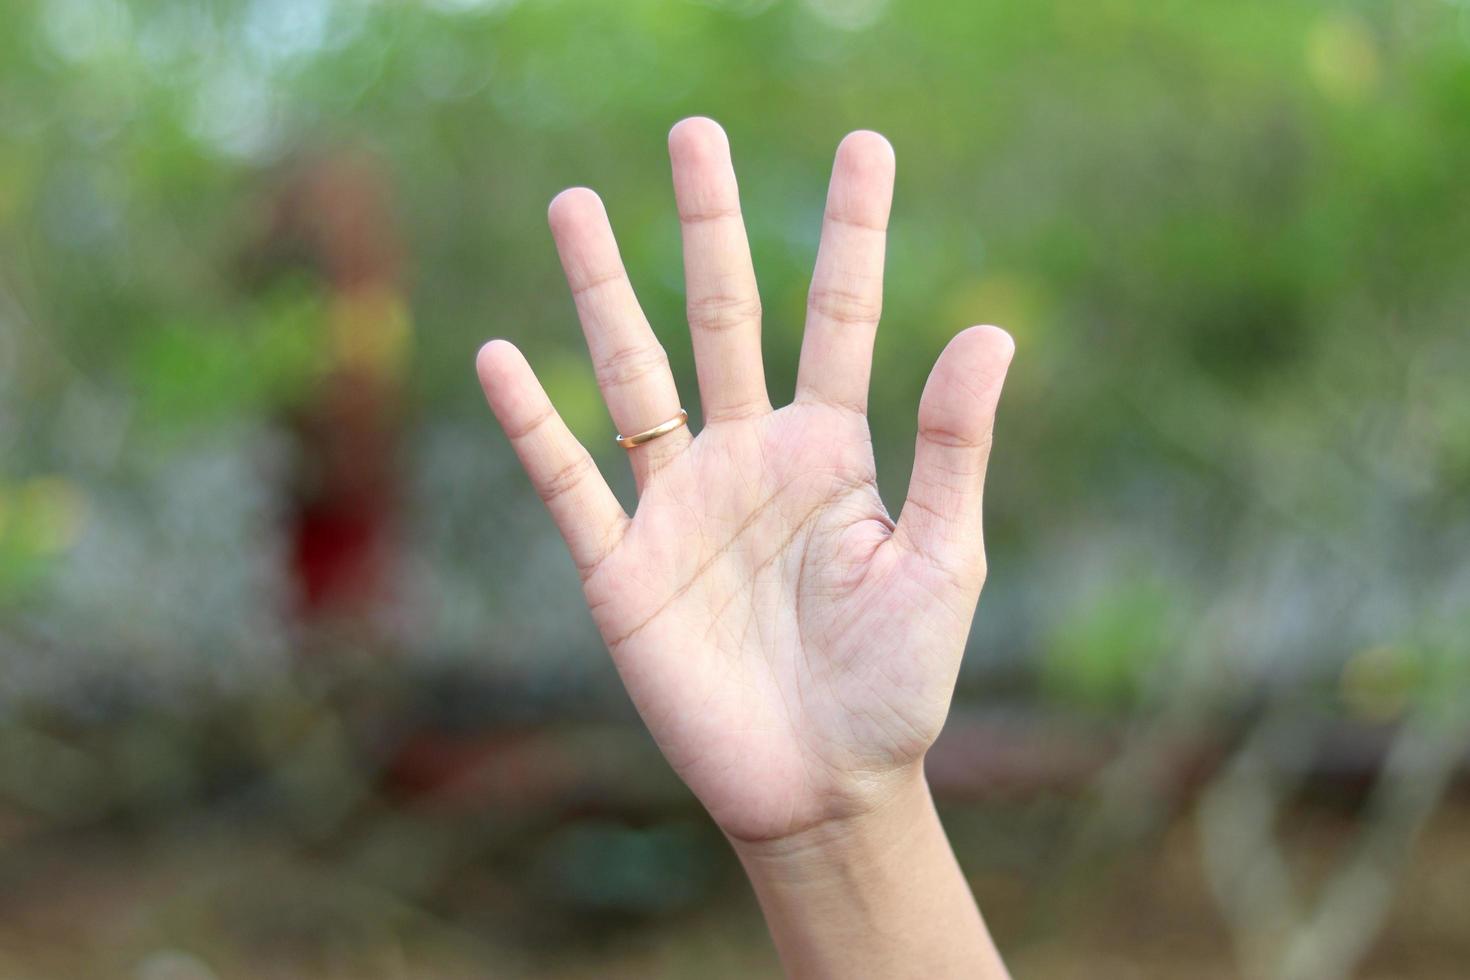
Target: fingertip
(495,361)
(861,192)
(998,343)
(867,150)
(698,136)
(971,368)
(572,204)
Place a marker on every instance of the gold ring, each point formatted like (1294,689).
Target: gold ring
(648,435)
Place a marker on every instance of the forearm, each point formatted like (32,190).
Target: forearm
(879,895)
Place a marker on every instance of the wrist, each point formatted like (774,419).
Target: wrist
(874,894)
(838,845)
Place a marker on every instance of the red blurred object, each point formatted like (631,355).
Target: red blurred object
(332,215)
(345,497)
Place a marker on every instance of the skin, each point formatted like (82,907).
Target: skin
(792,648)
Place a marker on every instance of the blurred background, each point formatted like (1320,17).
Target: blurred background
(295,680)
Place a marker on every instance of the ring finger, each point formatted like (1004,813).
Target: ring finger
(631,365)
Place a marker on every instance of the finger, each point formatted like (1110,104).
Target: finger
(723,302)
(631,365)
(941,518)
(585,511)
(846,296)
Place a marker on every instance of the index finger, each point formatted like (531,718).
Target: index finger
(846,297)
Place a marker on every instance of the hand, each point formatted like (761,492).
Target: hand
(792,649)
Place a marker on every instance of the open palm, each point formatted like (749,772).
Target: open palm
(791,648)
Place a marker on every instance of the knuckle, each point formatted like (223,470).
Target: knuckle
(595,281)
(843,305)
(721,311)
(529,426)
(702,216)
(564,480)
(630,364)
(951,437)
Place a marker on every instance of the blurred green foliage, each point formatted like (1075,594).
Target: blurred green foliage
(1103,651)
(1230,238)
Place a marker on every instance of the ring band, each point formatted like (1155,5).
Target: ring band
(648,435)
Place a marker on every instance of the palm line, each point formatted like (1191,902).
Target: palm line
(746,524)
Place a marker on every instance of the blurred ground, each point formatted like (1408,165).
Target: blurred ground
(202,901)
